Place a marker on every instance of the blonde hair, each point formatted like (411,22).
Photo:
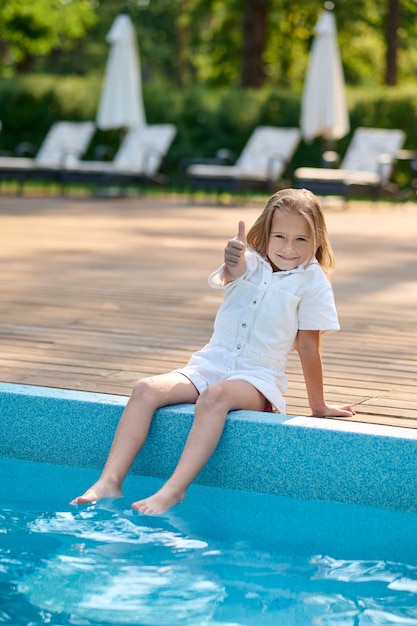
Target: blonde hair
(301,202)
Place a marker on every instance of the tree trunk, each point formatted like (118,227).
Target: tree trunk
(393,24)
(255,19)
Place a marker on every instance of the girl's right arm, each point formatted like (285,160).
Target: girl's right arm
(234,256)
(308,348)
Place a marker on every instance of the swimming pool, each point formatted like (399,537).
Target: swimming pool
(256,541)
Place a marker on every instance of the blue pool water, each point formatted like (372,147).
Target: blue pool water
(222,557)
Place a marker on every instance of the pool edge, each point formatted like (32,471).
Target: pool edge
(294,456)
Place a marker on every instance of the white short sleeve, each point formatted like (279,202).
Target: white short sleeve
(317,309)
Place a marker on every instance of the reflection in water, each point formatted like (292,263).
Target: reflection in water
(111,564)
(373,604)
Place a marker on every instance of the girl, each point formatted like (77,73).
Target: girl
(277,297)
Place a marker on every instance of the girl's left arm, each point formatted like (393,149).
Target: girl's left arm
(308,348)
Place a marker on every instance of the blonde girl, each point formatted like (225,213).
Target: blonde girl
(277,297)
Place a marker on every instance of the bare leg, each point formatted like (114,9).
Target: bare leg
(148,395)
(210,416)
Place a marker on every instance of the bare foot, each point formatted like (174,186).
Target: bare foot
(97,492)
(160,501)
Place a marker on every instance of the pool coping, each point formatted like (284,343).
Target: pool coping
(301,457)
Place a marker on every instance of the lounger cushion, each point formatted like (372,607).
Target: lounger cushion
(264,157)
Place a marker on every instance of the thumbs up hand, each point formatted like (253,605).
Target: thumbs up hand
(241,232)
(234,255)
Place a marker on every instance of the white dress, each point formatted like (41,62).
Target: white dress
(257,324)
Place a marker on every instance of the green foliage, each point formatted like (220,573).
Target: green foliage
(39,27)
(215,58)
(386,108)
(29,105)
(282,105)
(199,42)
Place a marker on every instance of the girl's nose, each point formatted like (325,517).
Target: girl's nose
(288,247)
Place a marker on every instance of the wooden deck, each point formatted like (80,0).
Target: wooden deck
(97,293)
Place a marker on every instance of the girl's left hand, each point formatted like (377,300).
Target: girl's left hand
(335,411)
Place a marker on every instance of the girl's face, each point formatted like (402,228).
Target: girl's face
(290,241)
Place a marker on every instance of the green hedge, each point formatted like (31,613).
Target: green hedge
(206,119)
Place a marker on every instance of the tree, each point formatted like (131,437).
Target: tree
(255,20)
(214,43)
(31,29)
(393,24)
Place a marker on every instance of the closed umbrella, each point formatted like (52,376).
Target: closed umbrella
(324,111)
(121,104)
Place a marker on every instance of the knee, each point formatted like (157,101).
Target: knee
(213,396)
(142,388)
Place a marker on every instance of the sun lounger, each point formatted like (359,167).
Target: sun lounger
(261,165)
(137,161)
(366,167)
(64,144)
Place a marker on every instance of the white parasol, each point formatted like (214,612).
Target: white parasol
(324,110)
(121,104)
